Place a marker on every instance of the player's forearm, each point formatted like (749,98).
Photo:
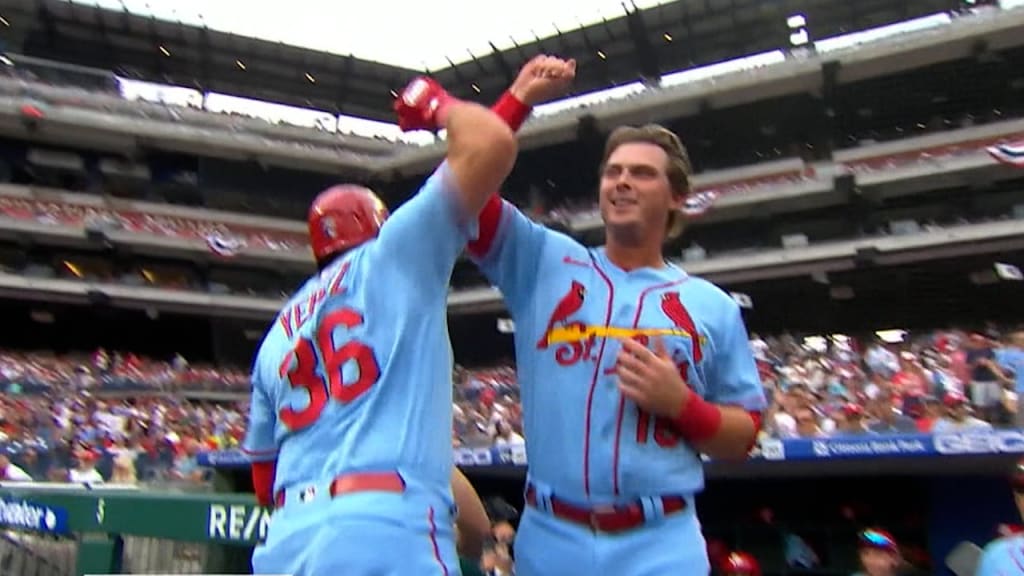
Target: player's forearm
(733,439)
(481,152)
(472,522)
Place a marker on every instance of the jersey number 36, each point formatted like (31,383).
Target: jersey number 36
(299,368)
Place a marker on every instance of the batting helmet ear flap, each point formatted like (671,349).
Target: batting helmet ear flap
(343,217)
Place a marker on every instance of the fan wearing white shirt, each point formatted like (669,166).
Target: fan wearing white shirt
(11,473)
(85,472)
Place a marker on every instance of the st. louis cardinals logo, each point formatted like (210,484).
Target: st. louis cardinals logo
(570,304)
(576,339)
(673,307)
(575,343)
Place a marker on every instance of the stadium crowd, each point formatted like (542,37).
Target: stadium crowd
(121,418)
(63,416)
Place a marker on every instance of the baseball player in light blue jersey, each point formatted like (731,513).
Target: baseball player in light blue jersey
(630,369)
(1005,556)
(350,422)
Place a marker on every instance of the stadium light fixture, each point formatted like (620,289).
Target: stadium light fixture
(240,64)
(393,94)
(164,51)
(796,21)
(5,22)
(667,37)
(310,77)
(601,55)
(891,336)
(475,88)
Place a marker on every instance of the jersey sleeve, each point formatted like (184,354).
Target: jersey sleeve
(508,250)
(733,378)
(990,563)
(259,444)
(425,236)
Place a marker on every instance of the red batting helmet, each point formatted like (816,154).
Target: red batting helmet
(741,564)
(344,216)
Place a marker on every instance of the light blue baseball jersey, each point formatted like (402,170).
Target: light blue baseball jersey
(1003,557)
(572,307)
(355,373)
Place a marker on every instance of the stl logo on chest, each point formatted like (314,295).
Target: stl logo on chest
(575,340)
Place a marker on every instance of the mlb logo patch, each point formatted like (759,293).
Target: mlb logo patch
(307,494)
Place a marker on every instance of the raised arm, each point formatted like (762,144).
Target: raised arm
(481,146)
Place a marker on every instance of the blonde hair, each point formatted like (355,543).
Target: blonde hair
(678,171)
(123,470)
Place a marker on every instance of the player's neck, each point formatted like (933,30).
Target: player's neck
(631,257)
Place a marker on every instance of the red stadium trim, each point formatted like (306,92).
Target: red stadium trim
(622,399)
(488,222)
(433,541)
(597,374)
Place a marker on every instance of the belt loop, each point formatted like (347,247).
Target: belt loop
(543,495)
(653,508)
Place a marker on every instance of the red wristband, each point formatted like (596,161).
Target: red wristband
(512,110)
(698,420)
(440,115)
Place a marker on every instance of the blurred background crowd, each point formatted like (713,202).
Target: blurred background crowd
(142,419)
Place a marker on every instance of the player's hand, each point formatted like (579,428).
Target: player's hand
(421,104)
(651,378)
(542,79)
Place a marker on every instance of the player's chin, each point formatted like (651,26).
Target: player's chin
(623,225)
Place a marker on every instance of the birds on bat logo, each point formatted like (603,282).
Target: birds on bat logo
(569,304)
(561,328)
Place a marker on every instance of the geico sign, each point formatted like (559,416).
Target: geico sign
(994,442)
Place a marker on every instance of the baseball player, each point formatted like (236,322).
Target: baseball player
(630,369)
(350,422)
(1005,556)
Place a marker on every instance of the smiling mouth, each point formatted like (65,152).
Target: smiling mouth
(623,202)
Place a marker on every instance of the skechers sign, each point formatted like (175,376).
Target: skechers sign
(24,515)
(989,442)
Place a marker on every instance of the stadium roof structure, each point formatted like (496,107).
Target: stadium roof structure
(638,45)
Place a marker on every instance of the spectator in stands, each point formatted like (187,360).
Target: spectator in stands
(958,417)
(850,421)
(986,393)
(11,473)
(881,360)
(85,472)
(1010,360)
(504,435)
(186,465)
(889,420)
(123,470)
(807,425)
(931,411)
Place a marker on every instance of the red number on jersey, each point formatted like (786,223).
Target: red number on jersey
(299,367)
(664,434)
